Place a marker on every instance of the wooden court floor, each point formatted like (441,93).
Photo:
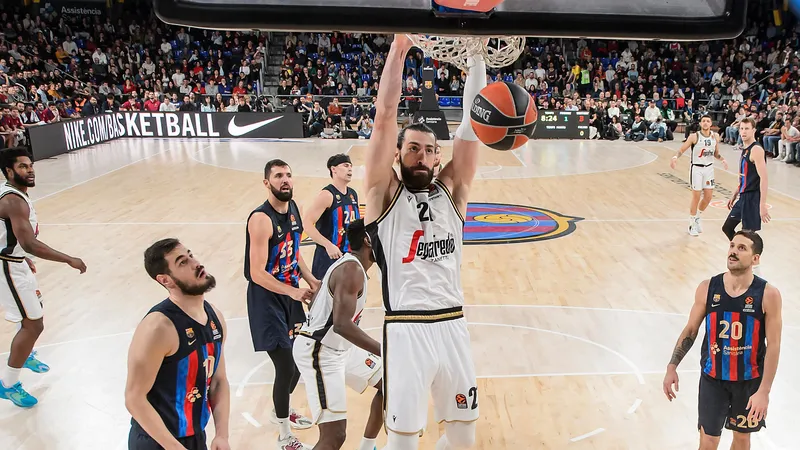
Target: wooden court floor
(572,324)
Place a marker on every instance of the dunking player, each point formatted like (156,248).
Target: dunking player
(324,349)
(415,226)
(273,266)
(704,147)
(737,367)
(19,292)
(751,209)
(176,365)
(334,208)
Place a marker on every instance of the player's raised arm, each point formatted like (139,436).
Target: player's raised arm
(383,141)
(459,173)
(686,339)
(346,283)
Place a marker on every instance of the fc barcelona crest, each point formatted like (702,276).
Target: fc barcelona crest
(190,333)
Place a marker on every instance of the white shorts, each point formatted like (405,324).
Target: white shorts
(326,372)
(421,357)
(19,292)
(701,177)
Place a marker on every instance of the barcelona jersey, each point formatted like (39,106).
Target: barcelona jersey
(734,346)
(334,220)
(180,391)
(749,180)
(284,245)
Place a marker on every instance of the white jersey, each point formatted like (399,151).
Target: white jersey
(418,249)
(319,325)
(9,244)
(703,150)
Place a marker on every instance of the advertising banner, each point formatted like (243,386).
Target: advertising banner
(54,139)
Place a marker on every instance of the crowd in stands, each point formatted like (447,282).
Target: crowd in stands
(55,67)
(634,90)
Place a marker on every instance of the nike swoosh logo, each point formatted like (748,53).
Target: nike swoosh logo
(192,342)
(236,130)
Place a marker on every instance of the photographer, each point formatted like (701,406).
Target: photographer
(364,126)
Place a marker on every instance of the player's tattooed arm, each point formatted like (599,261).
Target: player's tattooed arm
(682,348)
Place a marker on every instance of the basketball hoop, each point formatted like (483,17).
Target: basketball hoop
(497,51)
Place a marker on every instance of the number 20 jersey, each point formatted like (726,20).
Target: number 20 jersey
(734,346)
(417,247)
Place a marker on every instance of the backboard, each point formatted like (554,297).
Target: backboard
(622,19)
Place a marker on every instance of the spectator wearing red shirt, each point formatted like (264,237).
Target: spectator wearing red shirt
(240,89)
(152,104)
(133,104)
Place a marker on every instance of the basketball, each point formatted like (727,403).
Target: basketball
(503,116)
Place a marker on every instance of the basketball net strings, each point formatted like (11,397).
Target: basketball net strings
(476,81)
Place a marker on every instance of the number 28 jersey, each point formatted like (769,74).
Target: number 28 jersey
(734,347)
(417,245)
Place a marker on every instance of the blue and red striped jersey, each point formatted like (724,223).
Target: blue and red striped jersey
(284,245)
(749,180)
(734,346)
(180,391)
(334,220)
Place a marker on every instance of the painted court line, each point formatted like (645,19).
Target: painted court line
(634,406)
(248,417)
(587,435)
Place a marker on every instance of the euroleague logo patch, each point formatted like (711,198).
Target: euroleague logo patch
(501,223)
(461,401)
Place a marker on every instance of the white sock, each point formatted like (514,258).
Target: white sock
(9,376)
(476,80)
(285,431)
(367,444)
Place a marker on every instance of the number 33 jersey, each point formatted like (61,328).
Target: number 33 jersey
(417,247)
(734,346)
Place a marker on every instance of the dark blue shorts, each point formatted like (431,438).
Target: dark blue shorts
(138,439)
(274,318)
(322,262)
(747,209)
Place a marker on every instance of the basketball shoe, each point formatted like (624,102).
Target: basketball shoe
(33,364)
(296,420)
(17,395)
(290,442)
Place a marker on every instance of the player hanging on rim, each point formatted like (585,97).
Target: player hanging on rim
(324,349)
(334,208)
(737,366)
(19,291)
(704,146)
(416,230)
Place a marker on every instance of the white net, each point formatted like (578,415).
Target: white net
(497,51)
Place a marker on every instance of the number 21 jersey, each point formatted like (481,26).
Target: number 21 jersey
(417,247)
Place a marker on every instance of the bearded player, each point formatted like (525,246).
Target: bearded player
(416,229)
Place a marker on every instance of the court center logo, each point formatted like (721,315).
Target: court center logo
(500,223)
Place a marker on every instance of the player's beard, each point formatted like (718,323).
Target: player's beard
(197,289)
(22,181)
(281,195)
(414,179)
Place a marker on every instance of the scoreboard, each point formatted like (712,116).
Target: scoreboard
(562,125)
